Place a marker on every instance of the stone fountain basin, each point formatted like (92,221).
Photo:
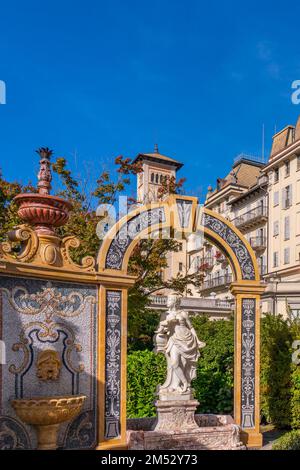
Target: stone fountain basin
(212,432)
(45,411)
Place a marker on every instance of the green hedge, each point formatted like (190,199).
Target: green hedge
(276,355)
(214,383)
(290,441)
(295,397)
(280,379)
(145,370)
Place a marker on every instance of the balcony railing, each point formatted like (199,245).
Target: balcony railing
(258,243)
(217,281)
(251,217)
(193,303)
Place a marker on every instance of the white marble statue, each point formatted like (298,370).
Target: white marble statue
(177,339)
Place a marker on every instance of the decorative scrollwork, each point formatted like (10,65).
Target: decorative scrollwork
(12,435)
(248,363)
(131,231)
(48,301)
(112,364)
(234,242)
(29,244)
(80,433)
(87,263)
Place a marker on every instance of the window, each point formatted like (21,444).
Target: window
(287,168)
(156,178)
(276,198)
(286,228)
(152,177)
(262,265)
(179,246)
(275,228)
(275,259)
(287,197)
(298,162)
(161,179)
(286,255)
(180,267)
(276,175)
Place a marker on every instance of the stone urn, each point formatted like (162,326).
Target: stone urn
(46,414)
(41,210)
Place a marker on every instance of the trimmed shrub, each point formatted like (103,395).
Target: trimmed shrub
(214,383)
(145,370)
(290,441)
(295,397)
(276,355)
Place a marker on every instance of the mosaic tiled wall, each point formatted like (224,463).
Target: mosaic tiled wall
(37,316)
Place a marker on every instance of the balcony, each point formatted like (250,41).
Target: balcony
(194,304)
(218,281)
(258,243)
(206,264)
(251,218)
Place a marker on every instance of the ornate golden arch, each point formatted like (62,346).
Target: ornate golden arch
(180,215)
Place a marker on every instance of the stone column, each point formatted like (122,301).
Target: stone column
(112,361)
(247,360)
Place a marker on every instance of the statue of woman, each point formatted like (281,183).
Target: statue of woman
(178,340)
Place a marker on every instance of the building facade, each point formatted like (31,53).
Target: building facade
(282,171)
(262,199)
(241,198)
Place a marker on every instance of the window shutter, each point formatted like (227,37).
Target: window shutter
(283,198)
(288,227)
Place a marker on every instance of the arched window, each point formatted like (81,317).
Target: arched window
(156,178)
(161,178)
(152,177)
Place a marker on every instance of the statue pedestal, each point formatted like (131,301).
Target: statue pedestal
(176,415)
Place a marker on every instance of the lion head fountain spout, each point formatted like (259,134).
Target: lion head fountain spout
(41,210)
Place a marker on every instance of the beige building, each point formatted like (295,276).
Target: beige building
(283,274)
(263,201)
(241,198)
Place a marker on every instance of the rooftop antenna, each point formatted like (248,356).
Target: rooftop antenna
(263,143)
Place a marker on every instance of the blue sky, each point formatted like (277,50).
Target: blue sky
(95,79)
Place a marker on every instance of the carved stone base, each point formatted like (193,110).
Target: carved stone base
(212,432)
(47,437)
(174,415)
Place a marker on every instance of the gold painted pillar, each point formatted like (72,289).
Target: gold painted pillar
(112,362)
(247,360)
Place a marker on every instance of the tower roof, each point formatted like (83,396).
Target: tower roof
(158,158)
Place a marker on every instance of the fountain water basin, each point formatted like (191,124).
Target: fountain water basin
(46,414)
